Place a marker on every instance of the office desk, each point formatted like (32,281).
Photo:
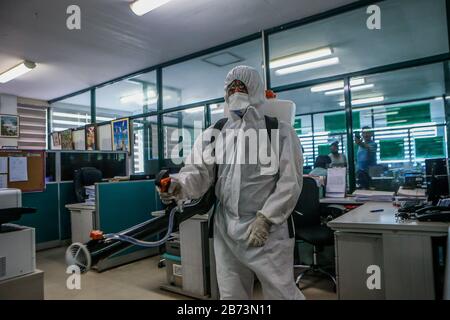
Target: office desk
(401,249)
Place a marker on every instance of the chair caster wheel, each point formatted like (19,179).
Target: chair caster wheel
(161,264)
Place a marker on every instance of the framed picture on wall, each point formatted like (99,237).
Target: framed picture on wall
(91,137)
(66,140)
(56,140)
(120,132)
(9,126)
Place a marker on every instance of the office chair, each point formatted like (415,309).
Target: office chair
(83,177)
(309,226)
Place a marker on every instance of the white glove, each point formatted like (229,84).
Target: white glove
(258,231)
(173,193)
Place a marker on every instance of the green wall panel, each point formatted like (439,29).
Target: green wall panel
(45,220)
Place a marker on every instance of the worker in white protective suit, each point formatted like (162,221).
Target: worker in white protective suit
(251,235)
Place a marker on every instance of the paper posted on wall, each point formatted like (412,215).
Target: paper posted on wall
(18,169)
(336,178)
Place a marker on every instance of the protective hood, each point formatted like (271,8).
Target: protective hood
(252,80)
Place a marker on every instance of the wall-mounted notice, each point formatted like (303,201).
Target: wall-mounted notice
(18,169)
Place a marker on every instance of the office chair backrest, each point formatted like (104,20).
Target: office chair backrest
(308,205)
(82,177)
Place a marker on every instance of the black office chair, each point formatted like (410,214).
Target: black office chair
(83,177)
(309,227)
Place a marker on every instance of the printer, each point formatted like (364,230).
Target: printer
(17,243)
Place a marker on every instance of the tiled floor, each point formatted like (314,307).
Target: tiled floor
(138,280)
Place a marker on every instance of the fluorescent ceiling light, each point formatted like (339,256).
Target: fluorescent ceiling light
(337,85)
(141,7)
(308,66)
(438,98)
(300,57)
(17,71)
(364,101)
(356,88)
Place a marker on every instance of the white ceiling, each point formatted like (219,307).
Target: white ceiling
(113,41)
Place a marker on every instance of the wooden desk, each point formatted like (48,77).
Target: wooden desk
(401,249)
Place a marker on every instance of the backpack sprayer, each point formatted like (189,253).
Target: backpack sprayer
(101,245)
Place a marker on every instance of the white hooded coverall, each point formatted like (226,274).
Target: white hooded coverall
(242,191)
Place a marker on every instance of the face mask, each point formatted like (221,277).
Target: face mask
(238,102)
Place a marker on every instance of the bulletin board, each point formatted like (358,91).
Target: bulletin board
(35,169)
